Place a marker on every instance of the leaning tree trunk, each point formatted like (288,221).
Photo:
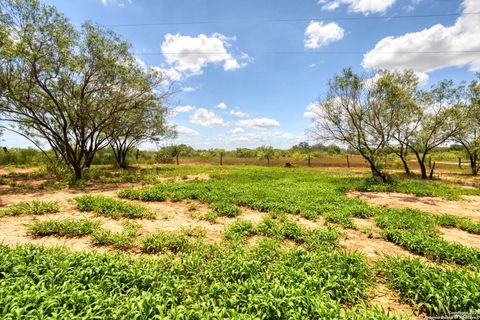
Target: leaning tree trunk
(421,164)
(405,165)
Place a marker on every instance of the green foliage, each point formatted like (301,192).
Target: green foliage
(434,290)
(239,230)
(161,242)
(63,228)
(231,283)
(225,209)
(104,206)
(465,224)
(118,240)
(323,239)
(280,227)
(34,207)
(416,231)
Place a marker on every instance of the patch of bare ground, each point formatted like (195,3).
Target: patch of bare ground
(190,177)
(15,232)
(390,302)
(468,208)
(371,244)
(460,236)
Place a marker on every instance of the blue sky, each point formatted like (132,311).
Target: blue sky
(248,80)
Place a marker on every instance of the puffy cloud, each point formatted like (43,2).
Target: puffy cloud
(461,39)
(183,108)
(239,114)
(205,118)
(360,6)
(258,123)
(311,110)
(189,55)
(186,131)
(237,131)
(318,34)
(119,3)
(221,105)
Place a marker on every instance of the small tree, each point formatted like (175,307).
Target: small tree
(304,151)
(468,117)
(437,122)
(398,112)
(220,153)
(265,153)
(348,114)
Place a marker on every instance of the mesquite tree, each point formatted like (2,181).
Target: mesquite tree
(468,114)
(349,114)
(64,86)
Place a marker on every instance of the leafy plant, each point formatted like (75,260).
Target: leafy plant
(119,240)
(34,207)
(104,206)
(63,228)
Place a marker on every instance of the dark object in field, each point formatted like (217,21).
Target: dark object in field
(5,149)
(288,165)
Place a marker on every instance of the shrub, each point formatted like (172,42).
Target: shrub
(225,209)
(239,230)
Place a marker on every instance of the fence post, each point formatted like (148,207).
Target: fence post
(348,161)
(460,162)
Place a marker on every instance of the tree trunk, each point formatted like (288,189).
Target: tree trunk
(221,159)
(377,173)
(122,161)
(268,161)
(421,164)
(178,162)
(405,165)
(431,170)
(309,161)
(78,173)
(473,164)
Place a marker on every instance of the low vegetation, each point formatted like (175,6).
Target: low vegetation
(63,227)
(108,207)
(31,208)
(119,240)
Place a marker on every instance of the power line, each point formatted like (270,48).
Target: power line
(305,52)
(396,17)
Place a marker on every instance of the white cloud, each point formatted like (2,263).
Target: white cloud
(188,89)
(462,38)
(313,65)
(360,6)
(311,110)
(183,108)
(166,75)
(205,118)
(189,55)
(318,34)
(258,123)
(187,131)
(221,105)
(119,3)
(239,114)
(237,131)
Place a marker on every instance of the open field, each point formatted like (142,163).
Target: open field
(198,242)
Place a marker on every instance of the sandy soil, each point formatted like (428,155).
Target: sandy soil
(389,301)
(460,236)
(468,208)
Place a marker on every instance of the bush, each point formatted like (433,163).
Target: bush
(239,230)
(225,209)
(31,208)
(161,242)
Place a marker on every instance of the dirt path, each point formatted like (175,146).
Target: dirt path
(468,208)
(390,302)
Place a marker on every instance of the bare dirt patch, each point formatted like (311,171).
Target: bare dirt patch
(389,301)
(467,208)
(371,244)
(460,236)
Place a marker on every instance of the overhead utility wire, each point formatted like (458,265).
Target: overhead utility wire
(306,52)
(171,23)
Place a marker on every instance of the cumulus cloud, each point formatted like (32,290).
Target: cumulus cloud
(239,114)
(120,3)
(221,105)
(188,89)
(237,131)
(312,110)
(183,108)
(258,123)
(182,130)
(359,6)
(205,118)
(462,38)
(190,55)
(318,34)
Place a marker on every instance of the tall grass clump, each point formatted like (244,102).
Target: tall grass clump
(63,228)
(34,207)
(104,206)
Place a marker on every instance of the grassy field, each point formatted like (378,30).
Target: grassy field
(242,242)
